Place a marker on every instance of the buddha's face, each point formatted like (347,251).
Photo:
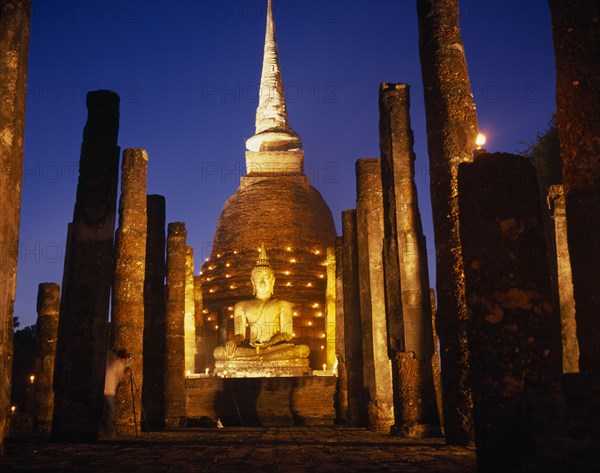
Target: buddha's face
(263,281)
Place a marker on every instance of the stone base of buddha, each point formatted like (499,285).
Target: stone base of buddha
(261,368)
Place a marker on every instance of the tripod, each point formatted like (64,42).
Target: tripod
(139,399)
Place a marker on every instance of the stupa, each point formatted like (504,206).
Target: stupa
(275,205)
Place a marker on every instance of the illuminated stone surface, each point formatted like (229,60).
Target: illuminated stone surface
(127,317)
(153,397)
(87,277)
(14,45)
(377,368)
(451,131)
(341,399)
(48,303)
(566,301)
(190,319)
(513,331)
(174,319)
(408,305)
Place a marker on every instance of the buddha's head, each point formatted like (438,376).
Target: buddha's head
(263,277)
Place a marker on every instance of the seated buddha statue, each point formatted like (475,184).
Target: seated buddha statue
(263,325)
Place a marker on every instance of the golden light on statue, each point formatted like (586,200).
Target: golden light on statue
(480,140)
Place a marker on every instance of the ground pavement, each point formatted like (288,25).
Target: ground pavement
(243,449)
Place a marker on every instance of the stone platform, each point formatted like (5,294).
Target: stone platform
(281,401)
(262,368)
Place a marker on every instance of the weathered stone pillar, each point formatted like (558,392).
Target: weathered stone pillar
(330,329)
(451,131)
(48,304)
(408,303)
(513,332)
(576,50)
(14,46)
(153,397)
(127,321)
(377,369)
(435,360)
(87,276)
(353,345)
(570,346)
(199,319)
(340,347)
(175,314)
(190,318)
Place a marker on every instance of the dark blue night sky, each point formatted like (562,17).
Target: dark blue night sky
(188,71)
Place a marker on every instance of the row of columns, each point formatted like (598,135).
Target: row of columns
(154,323)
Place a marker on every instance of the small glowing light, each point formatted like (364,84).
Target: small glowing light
(211,290)
(293,334)
(321,276)
(230,308)
(247,325)
(218,255)
(295,314)
(315,305)
(322,347)
(188,373)
(205,259)
(310,322)
(231,316)
(289,248)
(13,409)
(319,314)
(293,260)
(309,284)
(209,318)
(480,140)
(317,252)
(210,268)
(31,379)
(235,252)
(322,335)
(335,365)
(208,279)
(216,327)
(287,273)
(205,311)
(200,273)
(232,287)
(227,265)
(228,275)
(289,284)
(205,370)
(324,367)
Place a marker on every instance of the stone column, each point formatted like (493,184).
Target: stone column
(153,398)
(576,50)
(127,321)
(408,304)
(48,303)
(14,46)
(340,347)
(451,131)
(199,319)
(513,332)
(435,360)
(175,314)
(330,329)
(190,315)
(87,276)
(377,369)
(353,344)
(570,346)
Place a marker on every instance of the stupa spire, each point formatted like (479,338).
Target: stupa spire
(273,132)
